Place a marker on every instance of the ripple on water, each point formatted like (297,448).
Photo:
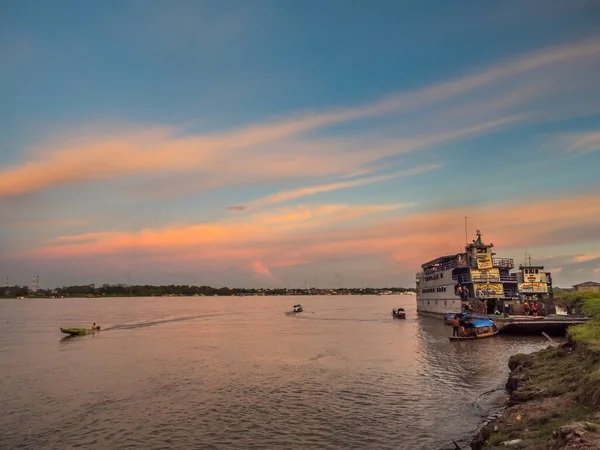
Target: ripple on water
(182,373)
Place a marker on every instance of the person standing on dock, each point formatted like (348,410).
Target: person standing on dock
(526,308)
(455,331)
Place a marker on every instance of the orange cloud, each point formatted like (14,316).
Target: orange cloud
(586,257)
(265,150)
(262,229)
(260,269)
(294,236)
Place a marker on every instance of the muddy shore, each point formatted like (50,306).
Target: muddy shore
(554,401)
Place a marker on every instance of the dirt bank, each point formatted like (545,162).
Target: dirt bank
(554,401)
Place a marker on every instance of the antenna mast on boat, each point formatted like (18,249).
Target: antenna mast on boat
(466,234)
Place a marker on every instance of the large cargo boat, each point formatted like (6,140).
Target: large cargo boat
(479,282)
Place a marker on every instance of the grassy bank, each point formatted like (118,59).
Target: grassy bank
(577,300)
(554,394)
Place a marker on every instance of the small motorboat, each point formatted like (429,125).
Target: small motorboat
(476,329)
(78,331)
(398,313)
(298,308)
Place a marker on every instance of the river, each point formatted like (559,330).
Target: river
(240,372)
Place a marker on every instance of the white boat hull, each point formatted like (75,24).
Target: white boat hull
(439,307)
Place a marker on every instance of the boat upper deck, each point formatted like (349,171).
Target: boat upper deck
(452,261)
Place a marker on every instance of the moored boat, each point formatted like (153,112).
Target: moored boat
(476,329)
(78,331)
(399,313)
(471,281)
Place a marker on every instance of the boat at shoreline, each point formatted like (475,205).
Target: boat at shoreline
(476,281)
(476,329)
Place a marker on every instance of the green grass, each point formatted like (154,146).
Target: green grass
(495,439)
(588,333)
(576,300)
(575,413)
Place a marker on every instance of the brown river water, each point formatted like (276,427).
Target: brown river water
(238,372)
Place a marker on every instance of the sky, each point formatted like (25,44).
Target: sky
(279,143)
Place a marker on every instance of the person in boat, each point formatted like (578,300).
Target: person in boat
(455,330)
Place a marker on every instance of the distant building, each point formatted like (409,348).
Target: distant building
(588,286)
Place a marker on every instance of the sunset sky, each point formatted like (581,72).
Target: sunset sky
(275,143)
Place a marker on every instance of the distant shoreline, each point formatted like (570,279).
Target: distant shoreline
(120,290)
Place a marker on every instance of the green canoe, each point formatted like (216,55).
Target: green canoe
(78,331)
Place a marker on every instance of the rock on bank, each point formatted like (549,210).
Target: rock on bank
(554,401)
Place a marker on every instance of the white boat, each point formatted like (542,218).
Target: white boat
(474,280)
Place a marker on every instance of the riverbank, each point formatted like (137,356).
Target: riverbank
(554,398)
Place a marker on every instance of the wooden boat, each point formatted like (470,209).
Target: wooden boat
(477,329)
(78,331)
(298,308)
(398,313)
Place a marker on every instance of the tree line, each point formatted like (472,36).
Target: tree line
(123,290)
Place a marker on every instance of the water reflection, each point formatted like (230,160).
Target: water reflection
(230,372)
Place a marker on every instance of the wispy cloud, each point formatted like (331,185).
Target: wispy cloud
(265,150)
(301,235)
(306,191)
(582,142)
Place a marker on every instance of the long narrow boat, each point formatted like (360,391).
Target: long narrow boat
(78,331)
(477,329)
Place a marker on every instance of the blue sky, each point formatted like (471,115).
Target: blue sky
(333,128)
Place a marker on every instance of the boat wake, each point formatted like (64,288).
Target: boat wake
(131,326)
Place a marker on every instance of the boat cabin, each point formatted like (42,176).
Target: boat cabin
(478,328)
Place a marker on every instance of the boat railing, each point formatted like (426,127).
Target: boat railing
(496,262)
(467,278)
(503,262)
(438,268)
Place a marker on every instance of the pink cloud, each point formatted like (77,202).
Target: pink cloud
(260,269)
(268,150)
(293,236)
